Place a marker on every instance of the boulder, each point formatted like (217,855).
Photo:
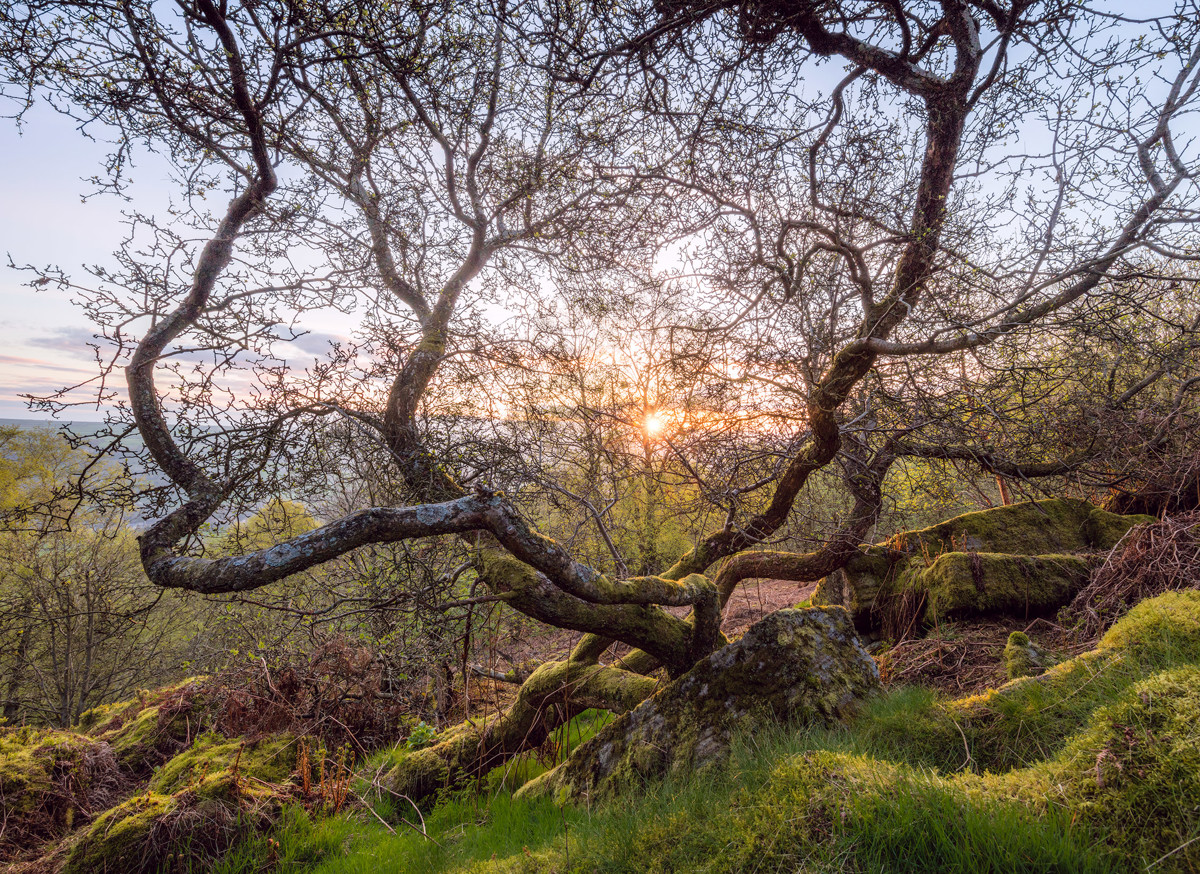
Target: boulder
(960,584)
(799,666)
(1024,658)
(1021,559)
(1056,525)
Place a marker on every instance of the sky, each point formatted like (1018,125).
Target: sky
(44,168)
(43,221)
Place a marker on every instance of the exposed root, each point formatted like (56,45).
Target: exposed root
(552,695)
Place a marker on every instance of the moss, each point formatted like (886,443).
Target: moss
(213,758)
(146,732)
(418,774)
(859,585)
(960,584)
(1135,771)
(50,780)
(795,666)
(544,861)
(1159,631)
(110,718)
(1103,530)
(26,758)
(1030,719)
(102,714)
(1022,658)
(1132,773)
(119,839)
(194,808)
(1045,527)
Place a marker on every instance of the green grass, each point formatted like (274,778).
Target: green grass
(781,805)
(1086,751)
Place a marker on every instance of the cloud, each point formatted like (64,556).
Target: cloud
(69,340)
(317,342)
(11,363)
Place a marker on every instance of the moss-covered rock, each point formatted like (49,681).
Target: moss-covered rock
(1104,530)
(960,584)
(1057,525)
(795,666)
(50,781)
(1023,658)
(887,587)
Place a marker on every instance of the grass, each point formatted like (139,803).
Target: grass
(783,804)
(907,787)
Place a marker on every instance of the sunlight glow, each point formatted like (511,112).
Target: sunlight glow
(654,424)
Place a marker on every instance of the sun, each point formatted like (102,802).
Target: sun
(654,424)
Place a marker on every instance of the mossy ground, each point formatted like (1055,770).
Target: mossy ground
(49,781)
(193,807)
(213,758)
(146,731)
(1093,766)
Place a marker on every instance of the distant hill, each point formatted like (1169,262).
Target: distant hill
(53,424)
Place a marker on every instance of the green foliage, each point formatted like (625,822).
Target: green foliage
(276,520)
(422,735)
(80,625)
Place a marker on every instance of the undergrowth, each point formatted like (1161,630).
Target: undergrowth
(1093,766)
(908,786)
(783,804)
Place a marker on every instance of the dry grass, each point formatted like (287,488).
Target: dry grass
(1149,560)
(967,657)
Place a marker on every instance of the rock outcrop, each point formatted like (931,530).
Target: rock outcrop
(1025,559)
(795,666)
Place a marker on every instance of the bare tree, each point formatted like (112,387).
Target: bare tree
(976,172)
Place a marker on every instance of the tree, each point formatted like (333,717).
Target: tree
(976,174)
(78,619)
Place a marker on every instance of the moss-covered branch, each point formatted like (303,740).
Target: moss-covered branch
(552,695)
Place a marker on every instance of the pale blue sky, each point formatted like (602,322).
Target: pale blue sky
(43,221)
(43,338)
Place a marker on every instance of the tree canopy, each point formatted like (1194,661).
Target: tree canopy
(744,250)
